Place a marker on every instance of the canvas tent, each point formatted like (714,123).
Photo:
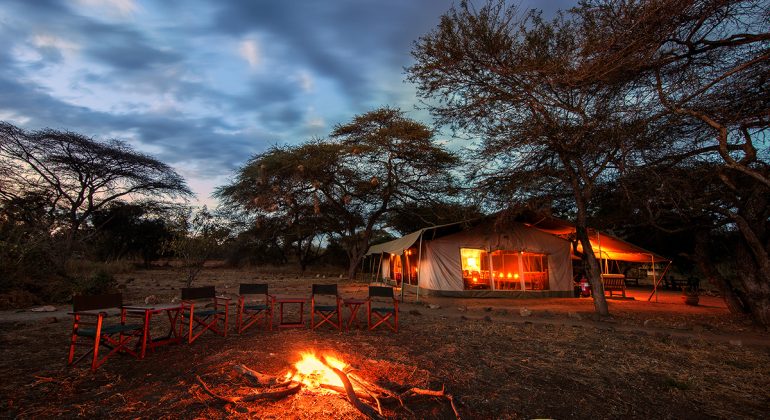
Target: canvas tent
(480,260)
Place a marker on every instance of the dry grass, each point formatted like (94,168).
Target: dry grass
(504,366)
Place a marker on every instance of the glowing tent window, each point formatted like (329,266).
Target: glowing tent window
(510,270)
(475,268)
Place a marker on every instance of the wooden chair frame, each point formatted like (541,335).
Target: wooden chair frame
(88,321)
(326,312)
(202,319)
(249,313)
(383,314)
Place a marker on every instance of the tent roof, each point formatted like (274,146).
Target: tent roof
(605,246)
(397,246)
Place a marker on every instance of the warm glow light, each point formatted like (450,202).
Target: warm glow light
(500,275)
(312,372)
(472,263)
(516,276)
(510,275)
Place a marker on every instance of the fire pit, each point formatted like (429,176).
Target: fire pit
(324,374)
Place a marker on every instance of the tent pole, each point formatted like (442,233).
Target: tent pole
(402,276)
(657,282)
(419,261)
(655,289)
(491,277)
(379,268)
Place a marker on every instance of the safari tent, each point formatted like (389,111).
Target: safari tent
(481,260)
(484,259)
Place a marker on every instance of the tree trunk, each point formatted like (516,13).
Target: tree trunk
(733,298)
(593,271)
(755,284)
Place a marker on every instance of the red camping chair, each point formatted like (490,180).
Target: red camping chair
(326,312)
(251,309)
(204,316)
(387,315)
(89,313)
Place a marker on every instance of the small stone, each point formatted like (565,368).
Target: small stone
(462,308)
(736,342)
(648,323)
(525,312)
(487,318)
(574,315)
(46,308)
(463,317)
(175,299)
(151,300)
(318,276)
(342,276)
(488,309)
(51,320)
(681,326)
(414,312)
(433,306)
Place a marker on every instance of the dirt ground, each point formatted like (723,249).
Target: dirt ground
(499,358)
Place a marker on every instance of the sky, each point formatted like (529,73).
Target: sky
(204,85)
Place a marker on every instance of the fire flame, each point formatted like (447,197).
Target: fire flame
(312,372)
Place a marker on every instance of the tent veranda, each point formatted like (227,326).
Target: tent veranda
(609,248)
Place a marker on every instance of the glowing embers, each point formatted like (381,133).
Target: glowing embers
(313,373)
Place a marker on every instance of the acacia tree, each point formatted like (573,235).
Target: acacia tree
(377,161)
(78,174)
(519,83)
(707,62)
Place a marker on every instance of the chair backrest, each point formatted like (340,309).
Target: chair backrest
(381,291)
(325,289)
(88,303)
(253,289)
(198,292)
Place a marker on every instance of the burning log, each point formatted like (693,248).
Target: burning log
(366,409)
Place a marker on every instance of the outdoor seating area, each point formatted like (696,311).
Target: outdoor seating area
(103,319)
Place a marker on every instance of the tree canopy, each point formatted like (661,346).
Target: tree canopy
(352,180)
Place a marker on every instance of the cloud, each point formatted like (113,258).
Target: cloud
(248,49)
(116,8)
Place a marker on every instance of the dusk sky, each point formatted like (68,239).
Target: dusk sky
(204,85)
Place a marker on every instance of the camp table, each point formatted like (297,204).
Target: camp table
(172,310)
(300,300)
(354,305)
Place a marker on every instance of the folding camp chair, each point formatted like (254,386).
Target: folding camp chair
(251,309)
(382,295)
(204,316)
(326,311)
(89,313)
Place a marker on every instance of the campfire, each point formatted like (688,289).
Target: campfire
(326,374)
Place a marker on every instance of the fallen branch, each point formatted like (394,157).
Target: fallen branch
(270,395)
(433,393)
(256,377)
(365,409)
